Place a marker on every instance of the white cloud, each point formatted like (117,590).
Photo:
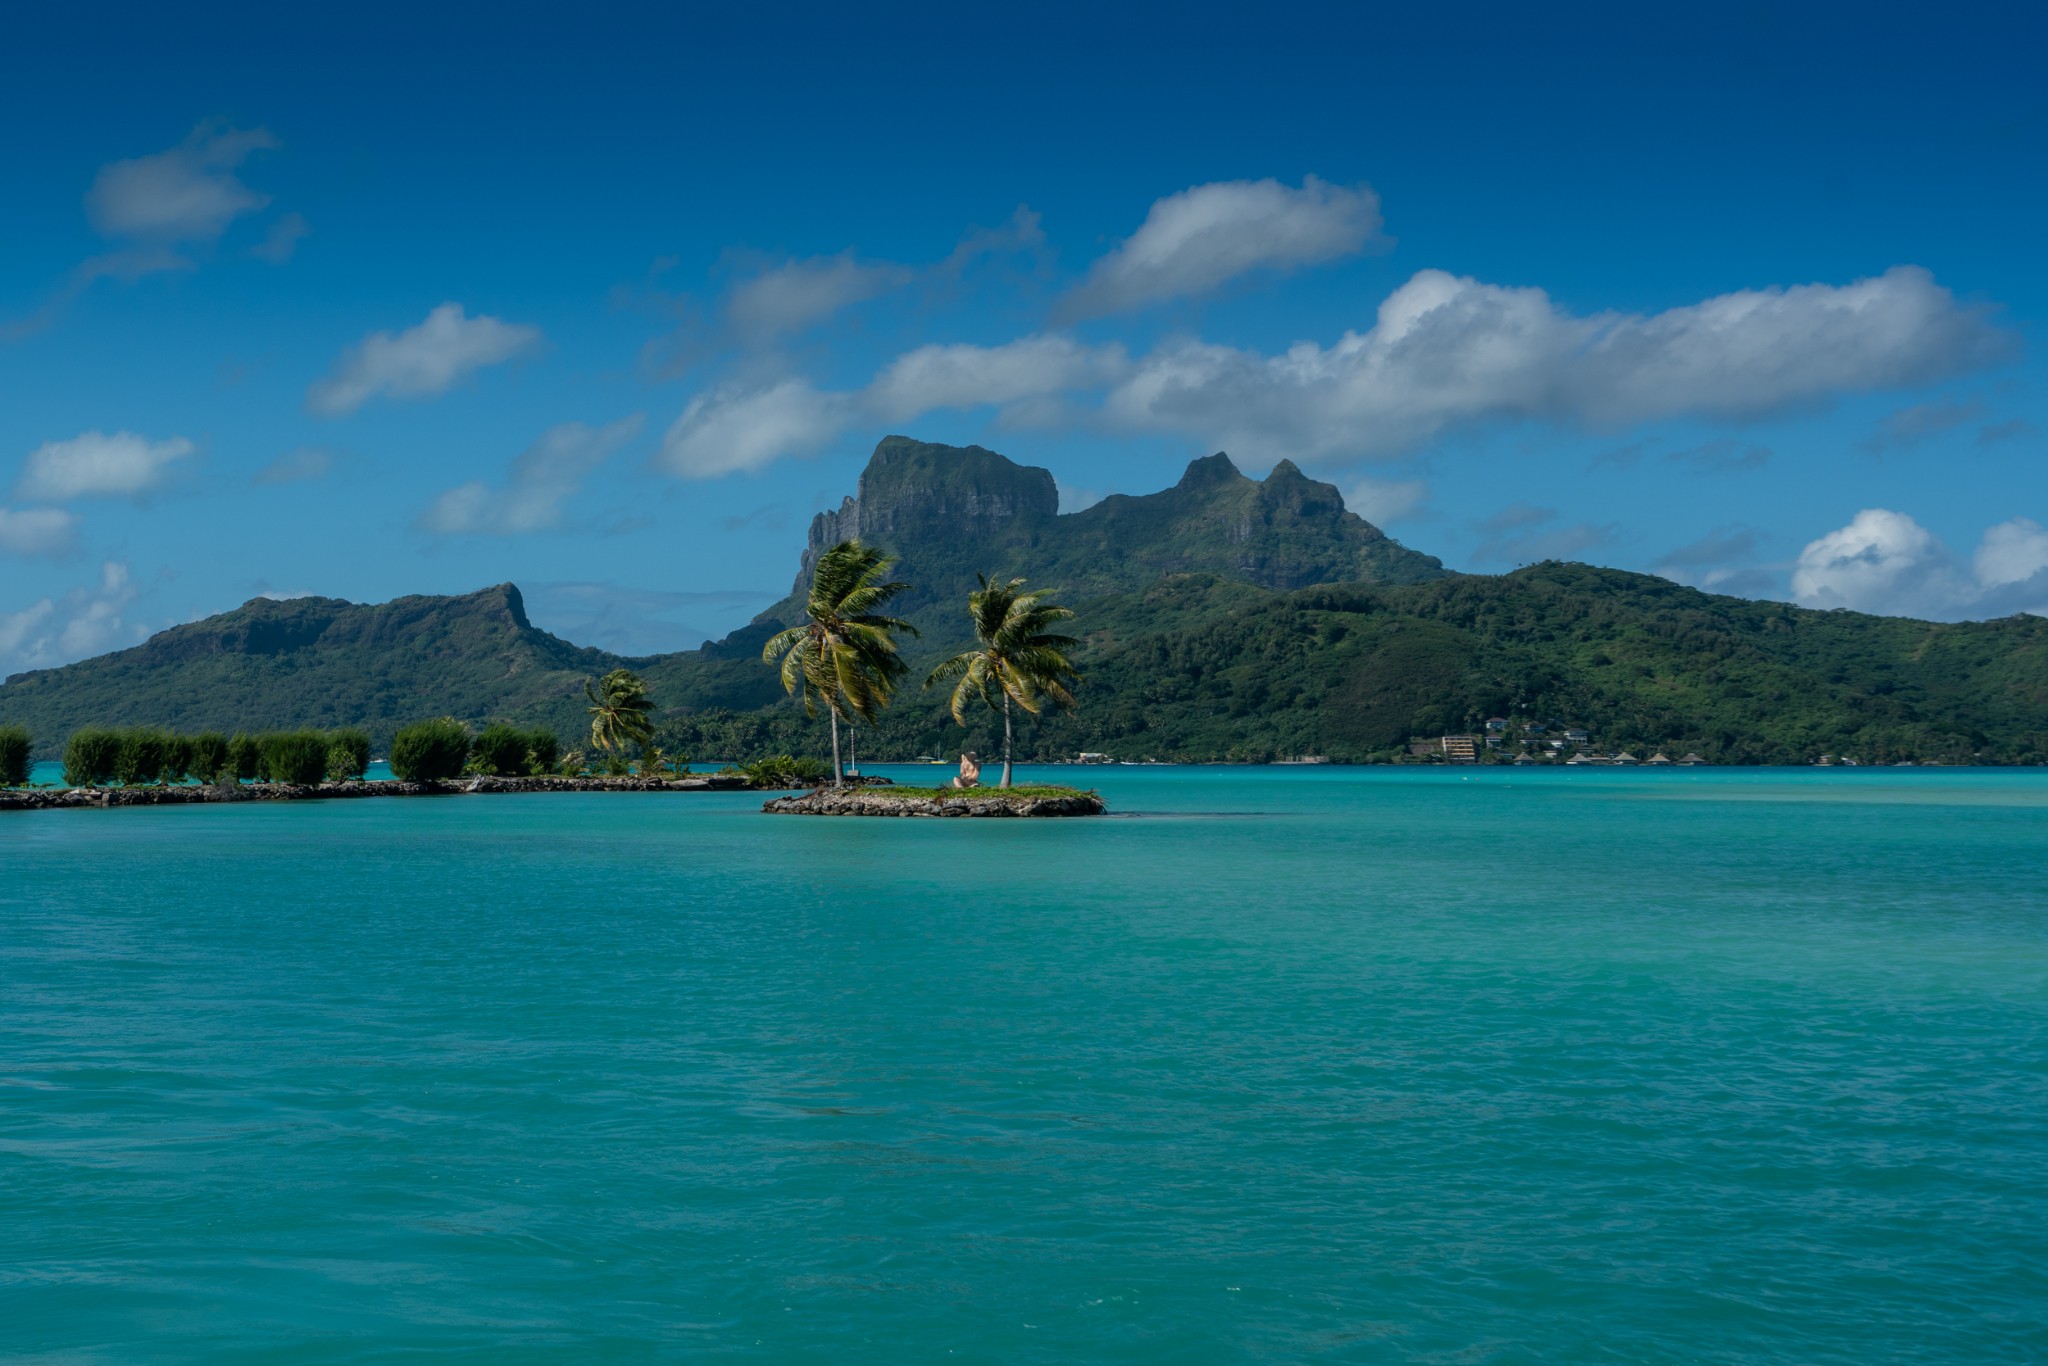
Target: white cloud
(542,480)
(37,531)
(1448,351)
(1887,563)
(1381,501)
(2012,552)
(188,193)
(738,428)
(968,376)
(1205,236)
(420,362)
(154,208)
(86,621)
(94,463)
(794,296)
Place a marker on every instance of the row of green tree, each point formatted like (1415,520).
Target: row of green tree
(843,656)
(142,755)
(426,751)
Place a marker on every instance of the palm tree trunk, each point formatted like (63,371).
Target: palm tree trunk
(1006,739)
(838,774)
(852,759)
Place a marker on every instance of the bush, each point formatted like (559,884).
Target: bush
(209,756)
(503,750)
(428,751)
(245,757)
(298,757)
(91,755)
(177,759)
(14,748)
(143,754)
(543,750)
(786,771)
(348,754)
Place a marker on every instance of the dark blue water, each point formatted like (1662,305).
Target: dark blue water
(1281,1065)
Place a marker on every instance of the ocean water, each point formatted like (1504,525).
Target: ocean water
(1275,1065)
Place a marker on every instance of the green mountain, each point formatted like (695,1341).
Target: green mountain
(1223,618)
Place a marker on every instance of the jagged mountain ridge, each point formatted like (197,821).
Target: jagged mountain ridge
(949,512)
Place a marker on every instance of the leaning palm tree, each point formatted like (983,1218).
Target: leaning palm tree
(1019,659)
(619,708)
(844,653)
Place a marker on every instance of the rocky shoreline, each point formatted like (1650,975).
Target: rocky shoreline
(44,799)
(827,802)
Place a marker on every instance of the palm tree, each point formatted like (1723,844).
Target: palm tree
(619,708)
(844,654)
(1019,658)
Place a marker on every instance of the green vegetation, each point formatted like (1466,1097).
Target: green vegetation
(91,756)
(348,754)
(503,751)
(245,757)
(208,756)
(1016,659)
(783,770)
(844,654)
(143,757)
(14,756)
(297,757)
(430,751)
(619,713)
(543,750)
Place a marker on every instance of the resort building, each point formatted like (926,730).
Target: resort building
(1461,749)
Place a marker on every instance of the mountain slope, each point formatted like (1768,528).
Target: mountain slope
(319,662)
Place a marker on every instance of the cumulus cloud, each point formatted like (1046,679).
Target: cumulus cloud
(1381,501)
(1887,563)
(155,209)
(37,531)
(1447,351)
(737,427)
(96,464)
(968,376)
(1208,235)
(542,480)
(421,361)
(800,294)
(86,621)
(188,193)
(2012,552)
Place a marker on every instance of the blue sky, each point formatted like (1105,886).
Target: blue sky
(418,300)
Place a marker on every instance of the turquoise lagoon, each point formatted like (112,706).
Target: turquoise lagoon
(1275,1065)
